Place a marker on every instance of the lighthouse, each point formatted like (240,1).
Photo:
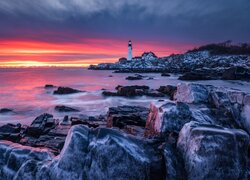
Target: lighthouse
(130,50)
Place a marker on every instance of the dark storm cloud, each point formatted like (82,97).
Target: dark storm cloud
(168,21)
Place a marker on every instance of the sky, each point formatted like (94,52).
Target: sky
(83,32)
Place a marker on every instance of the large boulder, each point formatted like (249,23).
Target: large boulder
(13,156)
(213,152)
(191,93)
(127,115)
(167,117)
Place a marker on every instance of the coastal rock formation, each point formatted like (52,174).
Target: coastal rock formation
(66,90)
(61,108)
(91,154)
(191,93)
(13,156)
(131,91)
(127,115)
(5,110)
(136,77)
(213,152)
(236,73)
(41,124)
(168,90)
(49,86)
(167,117)
(195,76)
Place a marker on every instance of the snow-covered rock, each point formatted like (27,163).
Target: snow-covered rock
(213,152)
(191,93)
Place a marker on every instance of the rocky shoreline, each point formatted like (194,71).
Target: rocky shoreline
(202,64)
(201,133)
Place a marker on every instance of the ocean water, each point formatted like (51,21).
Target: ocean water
(22,89)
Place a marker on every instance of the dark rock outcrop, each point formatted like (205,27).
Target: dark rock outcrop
(168,90)
(65,109)
(137,77)
(49,86)
(41,125)
(66,90)
(165,74)
(5,110)
(236,73)
(213,152)
(131,91)
(10,132)
(127,115)
(195,76)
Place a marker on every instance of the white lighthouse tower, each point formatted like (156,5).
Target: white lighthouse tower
(130,50)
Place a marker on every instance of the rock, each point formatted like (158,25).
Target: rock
(66,90)
(213,152)
(127,115)
(194,76)
(41,125)
(13,156)
(228,113)
(245,114)
(134,78)
(65,121)
(167,117)
(165,74)
(65,109)
(10,128)
(131,91)
(191,93)
(236,73)
(49,86)
(5,110)
(10,132)
(173,163)
(99,154)
(168,90)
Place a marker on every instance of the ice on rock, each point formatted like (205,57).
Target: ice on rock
(213,152)
(191,93)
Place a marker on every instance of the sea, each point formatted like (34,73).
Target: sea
(22,89)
